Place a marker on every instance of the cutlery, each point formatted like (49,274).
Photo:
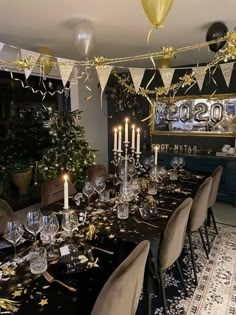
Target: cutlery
(143,222)
(50,279)
(98,248)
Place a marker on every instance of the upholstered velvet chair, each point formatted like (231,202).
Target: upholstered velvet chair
(53,191)
(97,170)
(6,213)
(171,244)
(197,218)
(216,176)
(120,294)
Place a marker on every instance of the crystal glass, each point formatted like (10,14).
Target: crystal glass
(99,185)
(146,163)
(123,210)
(13,232)
(131,170)
(69,221)
(88,190)
(126,191)
(34,222)
(38,260)
(174,162)
(181,162)
(49,229)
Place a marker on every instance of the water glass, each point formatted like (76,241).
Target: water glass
(13,233)
(152,188)
(105,195)
(173,174)
(123,210)
(38,260)
(34,222)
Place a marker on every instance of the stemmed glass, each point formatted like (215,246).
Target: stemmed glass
(69,221)
(131,171)
(34,222)
(181,163)
(99,185)
(175,162)
(88,190)
(13,233)
(146,163)
(50,228)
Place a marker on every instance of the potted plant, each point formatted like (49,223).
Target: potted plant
(21,175)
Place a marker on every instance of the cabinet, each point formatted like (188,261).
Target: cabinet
(206,164)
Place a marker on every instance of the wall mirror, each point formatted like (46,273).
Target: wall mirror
(195,116)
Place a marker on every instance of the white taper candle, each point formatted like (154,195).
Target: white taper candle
(133,137)
(115,140)
(66,193)
(126,130)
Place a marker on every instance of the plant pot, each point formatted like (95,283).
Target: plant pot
(22,181)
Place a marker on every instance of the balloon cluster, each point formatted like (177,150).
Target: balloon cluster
(216,31)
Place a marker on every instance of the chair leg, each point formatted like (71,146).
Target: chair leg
(192,256)
(213,219)
(207,237)
(181,277)
(203,243)
(163,292)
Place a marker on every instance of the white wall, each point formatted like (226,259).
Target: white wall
(94,119)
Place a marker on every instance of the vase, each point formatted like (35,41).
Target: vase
(22,181)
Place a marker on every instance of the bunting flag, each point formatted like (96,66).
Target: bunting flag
(30,58)
(65,66)
(200,73)
(137,77)
(167,75)
(103,75)
(1,46)
(227,69)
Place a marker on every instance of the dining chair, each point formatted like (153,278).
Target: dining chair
(97,170)
(120,294)
(6,213)
(171,245)
(197,219)
(216,176)
(53,191)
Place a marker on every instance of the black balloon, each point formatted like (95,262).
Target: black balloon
(216,31)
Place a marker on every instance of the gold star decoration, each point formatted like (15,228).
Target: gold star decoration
(169,52)
(17,293)
(111,236)
(43,302)
(8,271)
(187,80)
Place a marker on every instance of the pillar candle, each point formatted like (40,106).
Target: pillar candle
(156,155)
(138,141)
(115,140)
(66,192)
(126,130)
(119,138)
(133,137)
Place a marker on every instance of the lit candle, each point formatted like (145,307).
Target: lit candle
(156,155)
(138,141)
(133,137)
(115,140)
(119,138)
(66,192)
(126,130)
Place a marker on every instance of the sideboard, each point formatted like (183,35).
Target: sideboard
(206,164)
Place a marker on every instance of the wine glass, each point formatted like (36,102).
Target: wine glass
(174,162)
(88,190)
(69,221)
(146,163)
(131,170)
(181,162)
(13,232)
(50,228)
(99,185)
(34,222)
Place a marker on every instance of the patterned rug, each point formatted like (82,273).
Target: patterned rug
(216,290)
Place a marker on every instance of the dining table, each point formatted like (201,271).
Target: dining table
(101,237)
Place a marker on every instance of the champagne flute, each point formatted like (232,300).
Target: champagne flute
(50,228)
(13,232)
(69,221)
(88,190)
(99,185)
(34,222)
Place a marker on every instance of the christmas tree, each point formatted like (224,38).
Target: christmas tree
(68,152)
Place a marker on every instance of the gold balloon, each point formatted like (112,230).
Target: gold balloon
(45,60)
(157,10)
(163,63)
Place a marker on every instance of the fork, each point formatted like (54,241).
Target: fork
(50,279)
(143,222)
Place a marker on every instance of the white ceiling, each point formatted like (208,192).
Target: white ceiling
(121,26)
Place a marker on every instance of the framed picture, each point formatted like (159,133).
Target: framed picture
(195,116)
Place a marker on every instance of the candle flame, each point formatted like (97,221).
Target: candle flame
(126,119)
(115,129)
(119,127)
(65,177)
(133,126)
(138,129)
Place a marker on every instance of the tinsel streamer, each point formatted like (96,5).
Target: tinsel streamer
(154,74)
(85,75)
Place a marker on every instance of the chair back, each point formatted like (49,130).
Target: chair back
(97,170)
(6,213)
(173,237)
(216,176)
(53,191)
(199,208)
(120,294)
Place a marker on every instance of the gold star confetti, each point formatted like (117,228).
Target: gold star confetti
(111,236)
(43,302)
(169,52)
(17,293)
(9,271)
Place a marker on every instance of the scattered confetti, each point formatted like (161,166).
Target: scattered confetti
(43,302)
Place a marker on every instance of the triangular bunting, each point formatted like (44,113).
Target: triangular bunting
(137,77)
(1,46)
(103,75)
(65,66)
(199,73)
(31,58)
(167,75)
(227,69)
